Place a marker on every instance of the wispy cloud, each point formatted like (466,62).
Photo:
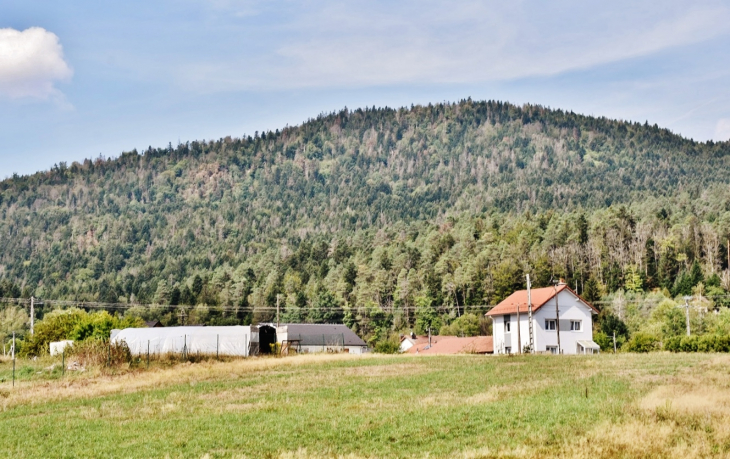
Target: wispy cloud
(352,44)
(31,62)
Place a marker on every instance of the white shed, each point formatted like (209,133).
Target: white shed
(229,340)
(57,347)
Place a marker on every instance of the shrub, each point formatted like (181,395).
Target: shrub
(695,343)
(642,342)
(387,346)
(74,324)
(673,344)
(56,326)
(466,325)
(603,340)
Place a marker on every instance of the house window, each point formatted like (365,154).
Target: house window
(549,324)
(552,349)
(575,325)
(507,327)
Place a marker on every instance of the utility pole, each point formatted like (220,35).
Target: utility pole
(686,308)
(278,296)
(13,359)
(620,306)
(557,314)
(614,341)
(32,313)
(519,337)
(529,316)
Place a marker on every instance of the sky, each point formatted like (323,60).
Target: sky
(88,78)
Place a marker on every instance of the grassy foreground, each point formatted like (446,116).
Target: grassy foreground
(654,405)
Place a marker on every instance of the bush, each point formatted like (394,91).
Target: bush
(56,326)
(695,343)
(387,346)
(603,340)
(466,325)
(642,342)
(74,324)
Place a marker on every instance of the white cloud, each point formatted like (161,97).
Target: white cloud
(722,129)
(31,62)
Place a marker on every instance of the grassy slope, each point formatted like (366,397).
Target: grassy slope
(378,406)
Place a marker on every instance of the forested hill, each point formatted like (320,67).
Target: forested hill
(445,204)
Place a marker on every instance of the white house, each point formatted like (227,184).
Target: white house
(574,320)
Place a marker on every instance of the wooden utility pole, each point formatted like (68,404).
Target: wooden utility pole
(620,304)
(32,313)
(278,296)
(614,341)
(519,336)
(529,316)
(13,359)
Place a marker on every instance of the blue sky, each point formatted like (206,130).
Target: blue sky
(79,79)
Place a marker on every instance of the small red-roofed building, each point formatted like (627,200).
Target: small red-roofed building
(408,342)
(575,322)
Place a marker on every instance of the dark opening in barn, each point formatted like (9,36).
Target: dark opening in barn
(267,338)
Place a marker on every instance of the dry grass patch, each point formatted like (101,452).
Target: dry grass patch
(96,384)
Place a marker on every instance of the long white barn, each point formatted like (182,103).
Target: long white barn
(236,340)
(574,319)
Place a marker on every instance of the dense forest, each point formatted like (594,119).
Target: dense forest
(387,219)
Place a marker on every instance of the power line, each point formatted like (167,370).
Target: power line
(122,306)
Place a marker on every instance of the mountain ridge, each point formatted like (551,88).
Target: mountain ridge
(315,202)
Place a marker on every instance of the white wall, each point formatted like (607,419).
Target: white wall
(571,308)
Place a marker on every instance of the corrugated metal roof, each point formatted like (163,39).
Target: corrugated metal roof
(588,344)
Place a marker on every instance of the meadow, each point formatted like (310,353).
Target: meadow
(625,405)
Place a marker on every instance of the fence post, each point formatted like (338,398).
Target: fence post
(323,344)
(13,359)
(63,362)
(148,354)
(217,343)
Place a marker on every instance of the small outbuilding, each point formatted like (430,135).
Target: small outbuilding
(310,338)
(57,347)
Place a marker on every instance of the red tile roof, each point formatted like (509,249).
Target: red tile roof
(455,345)
(423,339)
(539,297)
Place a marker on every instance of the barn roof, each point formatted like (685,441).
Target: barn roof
(539,296)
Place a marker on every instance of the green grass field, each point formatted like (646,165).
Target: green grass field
(627,405)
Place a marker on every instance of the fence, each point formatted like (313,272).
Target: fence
(317,343)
